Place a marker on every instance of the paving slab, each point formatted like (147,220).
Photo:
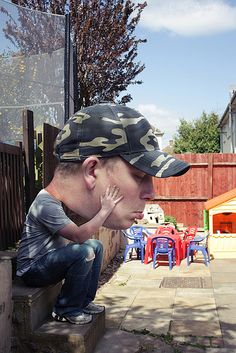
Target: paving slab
(144,283)
(195,314)
(199,328)
(195,292)
(227,317)
(147,313)
(225,300)
(160,292)
(219,350)
(224,288)
(117,341)
(155,325)
(192,350)
(113,302)
(199,312)
(198,302)
(224,277)
(223,265)
(159,302)
(120,278)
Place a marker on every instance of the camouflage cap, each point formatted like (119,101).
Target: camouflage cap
(106,130)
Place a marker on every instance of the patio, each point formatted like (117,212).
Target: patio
(188,309)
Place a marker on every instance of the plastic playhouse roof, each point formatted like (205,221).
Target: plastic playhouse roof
(220,199)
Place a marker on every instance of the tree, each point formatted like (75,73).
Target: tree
(199,136)
(103,32)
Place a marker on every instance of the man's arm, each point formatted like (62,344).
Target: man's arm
(79,234)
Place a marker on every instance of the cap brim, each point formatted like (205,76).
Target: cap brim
(157,163)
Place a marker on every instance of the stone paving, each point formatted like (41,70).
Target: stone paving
(185,310)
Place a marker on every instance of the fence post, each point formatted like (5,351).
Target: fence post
(210,175)
(49,160)
(28,141)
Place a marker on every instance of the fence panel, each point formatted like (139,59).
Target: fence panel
(11,195)
(49,160)
(183,197)
(28,142)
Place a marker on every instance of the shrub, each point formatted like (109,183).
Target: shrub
(171,219)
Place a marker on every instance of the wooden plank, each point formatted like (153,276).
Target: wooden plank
(181,198)
(5,200)
(11,149)
(210,176)
(3,203)
(11,200)
(28,142)
(224,164)
(193,165)
(49,160)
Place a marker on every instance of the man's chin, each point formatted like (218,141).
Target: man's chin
(118,225)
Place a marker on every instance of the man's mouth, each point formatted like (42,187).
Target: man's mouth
(139,215)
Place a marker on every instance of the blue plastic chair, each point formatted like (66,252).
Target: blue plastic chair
(136,234)
(197,244)
(164,246)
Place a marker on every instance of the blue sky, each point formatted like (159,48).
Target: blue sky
(190,59)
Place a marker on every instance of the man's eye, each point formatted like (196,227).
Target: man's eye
(139,177)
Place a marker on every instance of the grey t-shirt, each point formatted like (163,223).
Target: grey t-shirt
(44,219)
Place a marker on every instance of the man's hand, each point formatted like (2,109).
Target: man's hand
(110,198)
(80,234)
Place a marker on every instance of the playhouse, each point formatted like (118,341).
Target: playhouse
(222,225)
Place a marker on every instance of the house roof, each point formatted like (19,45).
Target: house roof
(232,104)
(220,199)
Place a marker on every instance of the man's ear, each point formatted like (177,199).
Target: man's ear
(89,170)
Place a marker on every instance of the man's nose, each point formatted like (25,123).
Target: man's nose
(148,189)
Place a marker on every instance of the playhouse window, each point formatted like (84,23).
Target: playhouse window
(224,222)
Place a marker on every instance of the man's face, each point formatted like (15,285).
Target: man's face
(136,188)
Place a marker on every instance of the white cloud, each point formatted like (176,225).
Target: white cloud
(189,17)
(163,119)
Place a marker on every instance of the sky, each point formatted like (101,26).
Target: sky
(190,59)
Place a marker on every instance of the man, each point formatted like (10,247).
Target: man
(107,155)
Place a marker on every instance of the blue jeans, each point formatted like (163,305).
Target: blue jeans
(78,265)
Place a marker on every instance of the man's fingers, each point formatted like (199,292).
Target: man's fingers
(115,191)
(119,199)
(108,190)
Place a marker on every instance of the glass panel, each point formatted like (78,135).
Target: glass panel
(31,68)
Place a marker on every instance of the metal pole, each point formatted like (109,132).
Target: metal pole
(67,68)
(75,74)
(231,124)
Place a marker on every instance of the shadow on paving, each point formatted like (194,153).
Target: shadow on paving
(176,310)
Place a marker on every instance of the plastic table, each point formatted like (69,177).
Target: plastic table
(178,247)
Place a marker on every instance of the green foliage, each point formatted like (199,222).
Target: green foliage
(171,219)
(198,136)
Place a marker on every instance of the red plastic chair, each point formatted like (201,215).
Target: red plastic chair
(165,230)
(189,235)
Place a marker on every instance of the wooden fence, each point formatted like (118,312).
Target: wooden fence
(183,197)
(17,177)
(11,194)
